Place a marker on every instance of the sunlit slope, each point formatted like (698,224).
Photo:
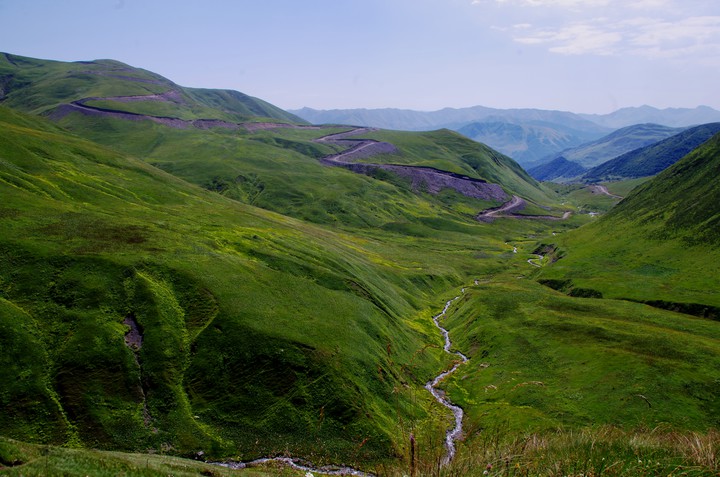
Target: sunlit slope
(660,243)
(541,360)
(280,169)
(247,149)
(260,334)
(43,86)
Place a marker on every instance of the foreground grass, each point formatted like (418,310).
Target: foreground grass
(21,459)
(595,451)
(607,451)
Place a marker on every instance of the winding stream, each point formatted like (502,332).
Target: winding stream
(297,464)
(454,433)
(451,435)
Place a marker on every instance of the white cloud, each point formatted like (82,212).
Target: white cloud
(688,29)
(639,36)
(576,39)
(551,3)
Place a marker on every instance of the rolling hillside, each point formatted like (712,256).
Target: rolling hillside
(195,273)
(660,243)
(147,312)
(251,151)
(139,311)
(42,86)
(652,159)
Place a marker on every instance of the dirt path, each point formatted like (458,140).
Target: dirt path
(81,107)
(601,189)
(509,209)
(422,178)
(516,203)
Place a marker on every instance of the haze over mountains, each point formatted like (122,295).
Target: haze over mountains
(526,135)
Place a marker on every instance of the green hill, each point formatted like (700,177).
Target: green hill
(251,151)
(660,243)
(153,299)
(451,151)
(235,306)
(42,86)
(652,159)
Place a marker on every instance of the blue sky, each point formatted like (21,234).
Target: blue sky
(590,56)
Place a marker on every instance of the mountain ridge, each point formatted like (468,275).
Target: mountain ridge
(40,86)
(654,158)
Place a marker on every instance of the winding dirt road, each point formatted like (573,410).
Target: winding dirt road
(509,209)
(601,189)
(421,177)
(516,203)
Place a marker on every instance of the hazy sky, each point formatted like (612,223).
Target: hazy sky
(576,55)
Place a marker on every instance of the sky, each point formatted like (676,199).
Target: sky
(585,56)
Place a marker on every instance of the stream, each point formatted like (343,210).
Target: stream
(451,435)
(454,433)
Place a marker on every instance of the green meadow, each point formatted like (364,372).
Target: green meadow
(219,294)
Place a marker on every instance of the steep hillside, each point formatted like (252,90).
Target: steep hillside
(141,312)
(153,299)
(557,170)
(652,159)
(683,202)
(617,143)
(657,245)
(46,87)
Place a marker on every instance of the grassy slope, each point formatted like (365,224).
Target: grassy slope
(38,86)
(328,329)
(583,361)
(448,150)
(237,305)
(276,169)
(558,385)
(279,170)
(22,459)
(660,243)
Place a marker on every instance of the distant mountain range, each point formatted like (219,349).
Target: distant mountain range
(652,159)
(526,135)
(619,142)
(651,156)
(673,117)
